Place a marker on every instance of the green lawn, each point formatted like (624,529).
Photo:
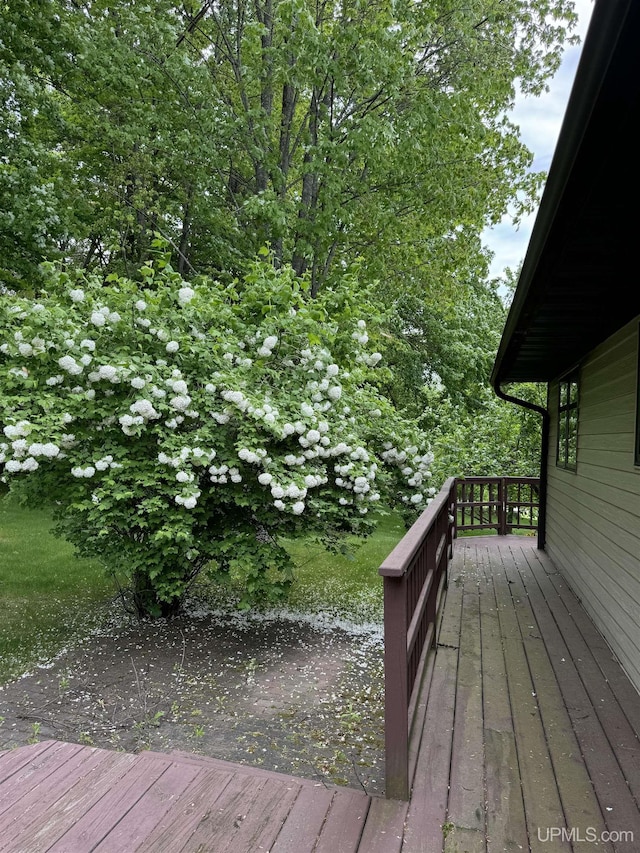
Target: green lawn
(346,586)
(47,595)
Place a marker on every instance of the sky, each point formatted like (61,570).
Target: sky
(540,120)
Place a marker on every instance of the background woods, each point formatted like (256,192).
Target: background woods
(364,136)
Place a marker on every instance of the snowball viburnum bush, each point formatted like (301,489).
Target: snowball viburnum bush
(174,427)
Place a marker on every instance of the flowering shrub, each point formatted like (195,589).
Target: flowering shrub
(177,427)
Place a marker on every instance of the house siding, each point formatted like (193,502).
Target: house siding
(593,514)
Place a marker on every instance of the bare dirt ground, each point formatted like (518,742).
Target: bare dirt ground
(285,693)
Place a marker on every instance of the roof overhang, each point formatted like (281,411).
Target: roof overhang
(579,281)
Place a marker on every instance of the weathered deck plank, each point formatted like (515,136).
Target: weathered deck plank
(426,815)
(506,822)
(94,823)
(543,807)
(12,760)
(608,744)
(344,823)
(31,803)
(529,725)
(466,797)
(302,828)
(579,804)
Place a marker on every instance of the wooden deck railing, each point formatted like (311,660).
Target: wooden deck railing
(502,504)
(415,574)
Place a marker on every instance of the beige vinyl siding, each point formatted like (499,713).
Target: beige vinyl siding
(593,513)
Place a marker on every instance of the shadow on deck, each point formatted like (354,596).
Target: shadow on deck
(530,742)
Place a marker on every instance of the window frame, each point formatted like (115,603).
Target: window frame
(568,431)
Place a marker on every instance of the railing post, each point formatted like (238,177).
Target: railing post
(453,509)
(396,689)
(502,507)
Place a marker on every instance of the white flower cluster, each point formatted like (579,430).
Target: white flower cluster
(28,350)
(237,398)
(14,466)
(189,501)
(88,472)
(223,473)
(356,476)
(185,295)
(194,456)
(129,423)
(105,371)
(22,428)
(49,450)
(360,335)
(252,457)
(106,462)
(142,411)
(267,346)
(70,365)
(369,359)
(21,456)
(103,315)
(145,409)
(414,468)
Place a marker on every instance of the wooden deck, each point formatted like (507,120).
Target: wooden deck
(529,742)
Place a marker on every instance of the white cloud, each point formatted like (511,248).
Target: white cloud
(539,120)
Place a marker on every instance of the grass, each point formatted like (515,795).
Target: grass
(345,585)
(47,595)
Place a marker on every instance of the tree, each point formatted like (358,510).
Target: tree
(375,128)
(329,130)
(493,439)
(177,427)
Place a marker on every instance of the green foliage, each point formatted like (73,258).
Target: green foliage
(323,131)
(326,130)
(492,439)
(173,428)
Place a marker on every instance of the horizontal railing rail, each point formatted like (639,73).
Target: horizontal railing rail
(502,504)
(415,576)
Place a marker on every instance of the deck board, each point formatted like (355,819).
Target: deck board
(529,725)
(506,822)
(303,826)
(579,803)
(344,823)
(543,807)
(466,798)
(93,824)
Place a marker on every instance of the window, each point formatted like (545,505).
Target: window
(567,456)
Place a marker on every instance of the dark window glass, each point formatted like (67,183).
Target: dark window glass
(567,455)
